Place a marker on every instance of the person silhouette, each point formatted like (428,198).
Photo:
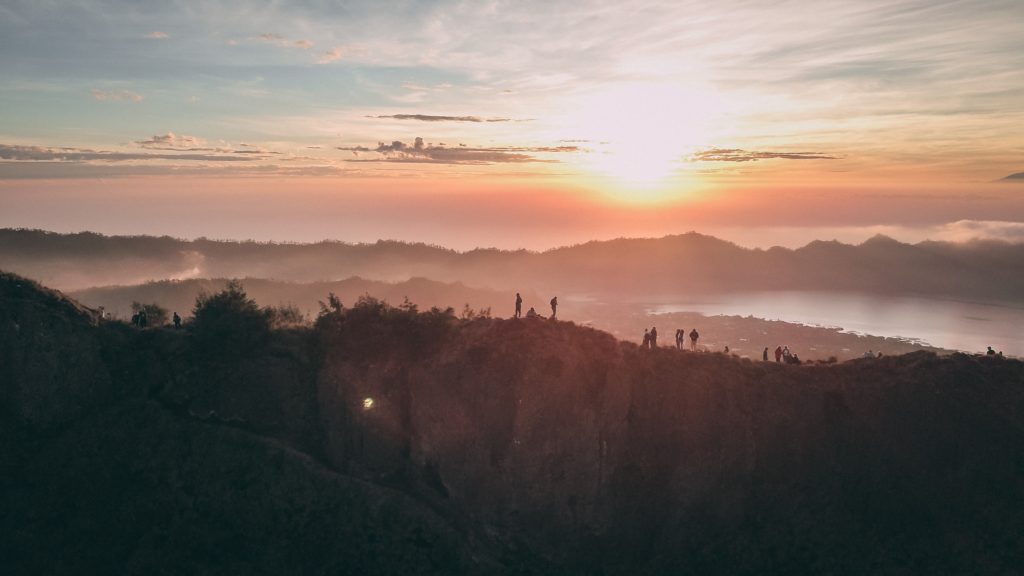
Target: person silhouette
(519,305)
(554,306)
(654,337)
(778,353)
(177,321)
(764,355)
(991,352)
(647,339)
(694,335)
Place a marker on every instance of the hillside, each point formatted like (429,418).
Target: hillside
(745,336)
(611,270)
(385,440)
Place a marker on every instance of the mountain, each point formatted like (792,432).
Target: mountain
(612,270)
(385,440)
(1019,176)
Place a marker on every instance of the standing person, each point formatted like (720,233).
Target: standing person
(177,321)
(764,355)
(554,306)
(679,338)
(519,305)
(694,335)
(647,339)
(778,354)
(654,337)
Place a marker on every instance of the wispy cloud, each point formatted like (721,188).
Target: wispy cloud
(1018,177)
(330,56)
(172,141)
(108,95)
(420,152)
(283,42)
(433,118)
(737,155)
(41,153)
(158,35)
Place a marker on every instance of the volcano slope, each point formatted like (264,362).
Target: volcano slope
(386,440)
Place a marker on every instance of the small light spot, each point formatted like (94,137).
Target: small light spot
(367,403)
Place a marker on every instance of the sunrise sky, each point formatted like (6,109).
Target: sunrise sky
(514,124)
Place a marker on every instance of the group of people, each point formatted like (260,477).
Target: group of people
(141,320)
(532,313)
(782,354)
(651,338)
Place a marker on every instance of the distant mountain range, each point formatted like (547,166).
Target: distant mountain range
(616,269)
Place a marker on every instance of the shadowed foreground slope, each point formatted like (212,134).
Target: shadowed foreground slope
(490,446)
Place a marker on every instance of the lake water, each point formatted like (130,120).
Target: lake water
(967,326)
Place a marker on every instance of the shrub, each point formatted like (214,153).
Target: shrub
(229,322)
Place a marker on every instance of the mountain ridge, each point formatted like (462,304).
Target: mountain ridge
(615,269)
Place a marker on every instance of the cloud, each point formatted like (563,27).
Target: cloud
(1018,177)
(968,230)
(40,153)
(157,35)
(420,152)
(737,155)
(433,118)
(45,170)
(105,95)
(423,88)
(330,56)
(172,141)
(283,42)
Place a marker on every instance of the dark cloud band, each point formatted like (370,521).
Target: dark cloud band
(398,151)
(738,155)
(433,118)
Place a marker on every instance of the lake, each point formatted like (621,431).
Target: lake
(966,326)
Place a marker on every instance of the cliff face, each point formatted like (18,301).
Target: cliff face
(387,441)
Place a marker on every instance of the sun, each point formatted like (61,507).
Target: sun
(639,134)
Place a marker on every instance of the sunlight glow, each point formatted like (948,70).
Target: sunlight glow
(640,133)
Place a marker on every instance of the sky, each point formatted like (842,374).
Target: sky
(514,124)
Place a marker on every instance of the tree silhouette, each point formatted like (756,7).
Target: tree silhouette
(229,322)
